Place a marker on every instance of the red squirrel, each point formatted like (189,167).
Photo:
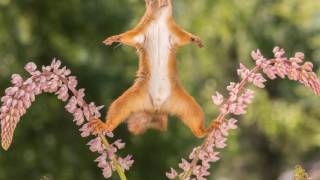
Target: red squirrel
(156,92)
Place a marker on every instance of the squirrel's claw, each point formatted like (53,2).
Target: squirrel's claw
(198,41)
(163,3)
(109,41)
(99,127)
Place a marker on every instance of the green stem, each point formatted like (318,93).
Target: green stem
(115,162)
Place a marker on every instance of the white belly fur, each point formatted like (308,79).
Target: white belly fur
(157,46)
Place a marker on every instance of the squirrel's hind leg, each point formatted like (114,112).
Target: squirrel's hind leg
(131,101)
(187,109)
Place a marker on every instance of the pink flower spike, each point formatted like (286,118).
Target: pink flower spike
(240,98)
(55,79)
(218,99)
(172,175)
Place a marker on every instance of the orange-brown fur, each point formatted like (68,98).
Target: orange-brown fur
(135,104)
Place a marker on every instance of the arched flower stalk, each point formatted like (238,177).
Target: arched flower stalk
(58,80)
(197,168)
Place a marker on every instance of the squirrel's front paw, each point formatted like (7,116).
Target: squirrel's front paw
(111,40)
(163,3)
(198,41)
(99,127)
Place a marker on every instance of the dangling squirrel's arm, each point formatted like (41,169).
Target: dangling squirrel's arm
(136,35)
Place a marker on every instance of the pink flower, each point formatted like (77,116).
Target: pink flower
(193,153)
(78,117)
(256,55)
(30,67)
(111,151)
(308,66)
(103,164)
(299,55)
(126,162)
(95,145)
(213,157)
(16,80)
(94,110)
(278,52)
(247,96)
(259,80)
(232,123)
(270,72)
(233,89)
(239,109)
(119,144)
(72,82)
(55,64)
(172,175)
(85,130)
(72,105)
(102,157)
(63,93)
(218,99)
(220,143)
(109,134)
(243,71)
(184,165)
(107,172)
(224,129)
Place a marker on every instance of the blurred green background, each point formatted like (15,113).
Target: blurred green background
(281,129)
